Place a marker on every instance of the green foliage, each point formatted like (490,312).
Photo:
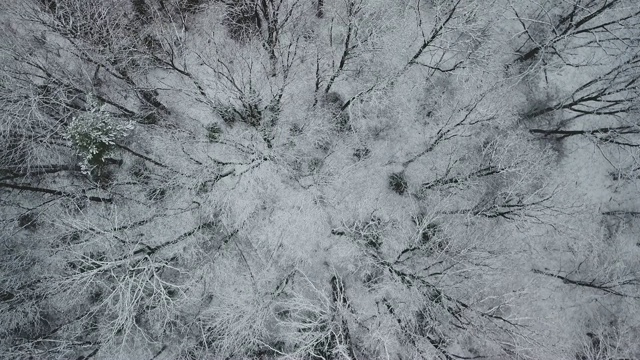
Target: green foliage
(93,134)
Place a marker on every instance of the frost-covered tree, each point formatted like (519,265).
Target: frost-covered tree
(341,179)
(93,134)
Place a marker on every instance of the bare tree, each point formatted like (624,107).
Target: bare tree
(602,33)
(281,179)
(565,31)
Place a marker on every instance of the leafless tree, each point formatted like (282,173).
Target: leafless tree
(289,179)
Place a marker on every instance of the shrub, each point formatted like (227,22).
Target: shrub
(295,129)
(151,43)
(27,221)
(249,112)
(271,113)
(229,114)
(139,171)
(151,102)
(150,118)
(429,233)
(342,122)
(203,188)
(361,153)
(213,132)
(334,102)
(323,145)
(315,164)
(398,183)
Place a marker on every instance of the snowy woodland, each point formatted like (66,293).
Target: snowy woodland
(320,179)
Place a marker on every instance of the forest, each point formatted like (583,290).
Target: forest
(320,179)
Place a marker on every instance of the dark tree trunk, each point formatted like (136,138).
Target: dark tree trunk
(528,55)
(320,9)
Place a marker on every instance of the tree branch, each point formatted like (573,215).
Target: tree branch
(54,192)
